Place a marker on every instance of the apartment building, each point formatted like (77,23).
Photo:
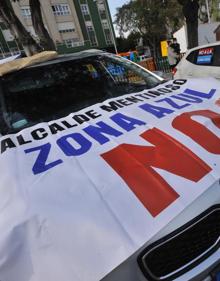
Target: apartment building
(73,25)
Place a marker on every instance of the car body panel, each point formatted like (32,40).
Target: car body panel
(187,69)
(74,199)
(129,270)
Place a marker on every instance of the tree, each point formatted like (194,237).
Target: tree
(20,33)
(154,20)
(129,43)
(214,12)
(45,40)
(28,43)
(190,10)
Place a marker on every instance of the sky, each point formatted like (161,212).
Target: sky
(113,4)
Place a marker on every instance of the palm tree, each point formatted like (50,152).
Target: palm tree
(37,20)
(28,43)
(10,19)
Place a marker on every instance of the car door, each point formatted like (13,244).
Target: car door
(207,62)
(187,67)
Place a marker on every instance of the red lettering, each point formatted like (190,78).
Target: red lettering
(198,132)
(134,164)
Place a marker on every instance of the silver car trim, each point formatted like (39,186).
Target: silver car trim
(193,261)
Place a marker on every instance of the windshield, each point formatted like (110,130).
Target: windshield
(52,91)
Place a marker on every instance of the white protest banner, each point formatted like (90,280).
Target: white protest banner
(80,194)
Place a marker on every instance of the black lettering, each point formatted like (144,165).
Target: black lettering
(22,141)
(150,94)
(179,81)
(92,114)
(80,119)
(164,90)
(124,102)
(68,125)
(39,134)
(172,87)
(169,86)
(175,88)
(113,106)
(133,99)
(155,93)
(55,128)
(142,96)
(7,143)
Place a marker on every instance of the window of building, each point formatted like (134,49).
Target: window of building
(61,9)
(101,6)
(67,30)
(105,24)
(15,51)
(108,38)
(103,14)
(73,42)
(7,35)
(65,27)
(91,32)
(89,26)
(85,9)
(93,41)
(26,12)
(102,10)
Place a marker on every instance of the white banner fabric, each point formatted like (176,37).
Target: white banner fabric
(76,200)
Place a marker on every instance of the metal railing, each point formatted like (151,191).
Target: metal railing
(162,64)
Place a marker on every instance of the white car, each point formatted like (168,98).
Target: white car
(202,61)
(107,173)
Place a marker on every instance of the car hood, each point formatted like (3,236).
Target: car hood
(79,195)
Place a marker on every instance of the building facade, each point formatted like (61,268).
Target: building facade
(73,25)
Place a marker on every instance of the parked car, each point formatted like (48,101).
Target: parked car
(93,76)
(202,61)
(107,173)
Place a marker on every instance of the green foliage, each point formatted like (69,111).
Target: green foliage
(129,43)
(150,18)
(213,11)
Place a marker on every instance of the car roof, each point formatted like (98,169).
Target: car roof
(203,46)
(68,57)
(43,59)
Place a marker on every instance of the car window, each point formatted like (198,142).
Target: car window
(125,73)
(45,93)
(205,56)
(191,57)
(209,56)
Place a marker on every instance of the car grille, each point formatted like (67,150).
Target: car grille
(183,249)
